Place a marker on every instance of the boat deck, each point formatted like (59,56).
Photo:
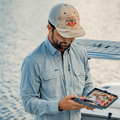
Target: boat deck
(100,49)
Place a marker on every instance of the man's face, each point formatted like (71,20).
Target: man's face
(60,42)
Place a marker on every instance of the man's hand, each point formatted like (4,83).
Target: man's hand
(68,104)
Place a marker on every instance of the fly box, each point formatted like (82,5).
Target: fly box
(97,98)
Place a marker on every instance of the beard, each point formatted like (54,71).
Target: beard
(59,45)
(62,45)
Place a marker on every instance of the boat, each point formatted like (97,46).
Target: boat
(109,50)
(100,49)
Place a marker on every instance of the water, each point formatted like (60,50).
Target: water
(23,28)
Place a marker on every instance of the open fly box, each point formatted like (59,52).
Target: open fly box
(97,98)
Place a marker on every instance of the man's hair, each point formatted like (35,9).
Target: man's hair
(53,27)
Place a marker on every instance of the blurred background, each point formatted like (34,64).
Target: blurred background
(23,26)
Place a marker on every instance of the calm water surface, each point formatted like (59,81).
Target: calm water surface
(23,28)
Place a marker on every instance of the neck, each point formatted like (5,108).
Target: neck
(61,50)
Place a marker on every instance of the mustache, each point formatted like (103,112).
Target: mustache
(64,43)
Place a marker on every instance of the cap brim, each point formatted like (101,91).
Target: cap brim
(71,33)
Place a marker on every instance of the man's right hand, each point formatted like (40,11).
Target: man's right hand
(68,104)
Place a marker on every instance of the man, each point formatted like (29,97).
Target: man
(57,70)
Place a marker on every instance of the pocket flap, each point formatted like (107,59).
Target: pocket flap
(49,74)
(79,72)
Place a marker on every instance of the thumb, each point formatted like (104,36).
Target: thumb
(72,96)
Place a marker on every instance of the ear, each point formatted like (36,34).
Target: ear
(49,27)
(50,32)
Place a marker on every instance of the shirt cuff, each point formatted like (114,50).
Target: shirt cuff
(53,106)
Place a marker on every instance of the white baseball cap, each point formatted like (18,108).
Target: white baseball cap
(66,20)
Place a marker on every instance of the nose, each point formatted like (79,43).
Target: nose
(69,39)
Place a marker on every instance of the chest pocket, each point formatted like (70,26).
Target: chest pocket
(50,82)
(79,77)
(80,73)
(79,81)
(49,74)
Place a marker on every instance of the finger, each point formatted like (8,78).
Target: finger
(71,96)
(89,108)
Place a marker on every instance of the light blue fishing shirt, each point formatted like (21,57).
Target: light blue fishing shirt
(46,79)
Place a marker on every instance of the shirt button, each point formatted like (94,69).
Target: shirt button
(67,89)
(59,59)
(63,74)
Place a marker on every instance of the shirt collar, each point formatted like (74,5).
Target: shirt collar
(50,47)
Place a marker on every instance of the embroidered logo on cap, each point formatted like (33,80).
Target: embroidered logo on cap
(72,21)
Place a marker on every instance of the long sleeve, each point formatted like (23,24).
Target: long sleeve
(30,91)
(88,82)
